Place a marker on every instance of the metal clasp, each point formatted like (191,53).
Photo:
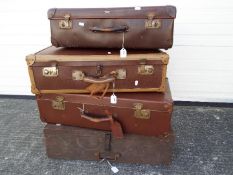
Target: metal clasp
(78,75)
(50,71)
(141,113)
(120,74)
(145,69)
(152,23)
(58,103)
(65,23)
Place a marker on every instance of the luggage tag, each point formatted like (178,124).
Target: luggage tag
(113,98)
(113,168)
(123,51)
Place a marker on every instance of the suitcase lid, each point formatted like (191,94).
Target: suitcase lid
(161,102)
(157,12)
(73,57)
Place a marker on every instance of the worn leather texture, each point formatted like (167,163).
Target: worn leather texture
(160,106)
(64,60)
(65,142)
(109,21)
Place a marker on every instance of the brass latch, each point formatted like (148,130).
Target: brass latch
(120,74)
(146,69)
(58,103)
(141,113)
(50,71)
(65,23)
(78,75)
(152,23)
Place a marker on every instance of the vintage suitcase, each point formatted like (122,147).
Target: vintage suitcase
(65,142)
(141,27)
(67,70)
(135,113)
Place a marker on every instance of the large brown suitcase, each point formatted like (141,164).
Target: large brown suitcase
(135,113)
(65,142)
(64,70)
(142,27)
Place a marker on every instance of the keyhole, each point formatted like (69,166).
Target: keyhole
(63,24)
(99,70)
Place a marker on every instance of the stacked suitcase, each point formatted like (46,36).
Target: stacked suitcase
(102,88)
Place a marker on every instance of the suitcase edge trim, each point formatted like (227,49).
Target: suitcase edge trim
(171,11)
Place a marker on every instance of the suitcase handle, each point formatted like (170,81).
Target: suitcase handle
(115,125)
(110,29)
(80,75)
(105,79)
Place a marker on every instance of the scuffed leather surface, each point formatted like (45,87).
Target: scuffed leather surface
(137,36)
(160,105)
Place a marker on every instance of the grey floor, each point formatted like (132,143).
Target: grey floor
(204,144)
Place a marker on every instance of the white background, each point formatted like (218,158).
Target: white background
(201,61)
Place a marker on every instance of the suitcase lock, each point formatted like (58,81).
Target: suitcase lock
(152,23)
(65,23)
(145,69)
(50,71)
(58,103)
(141,113)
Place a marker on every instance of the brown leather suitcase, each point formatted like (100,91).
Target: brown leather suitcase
(72,143)
(135,113)
(67,70)
(141,27)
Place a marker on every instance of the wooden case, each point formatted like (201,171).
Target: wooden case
(72,143)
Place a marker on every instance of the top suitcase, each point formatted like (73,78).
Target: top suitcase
(128,27)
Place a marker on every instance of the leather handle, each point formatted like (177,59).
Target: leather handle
(95,118)
(115,125)
(105,79)
(109,29)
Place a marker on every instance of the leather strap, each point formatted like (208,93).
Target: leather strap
(109,29)
(115,125)
(97,88)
